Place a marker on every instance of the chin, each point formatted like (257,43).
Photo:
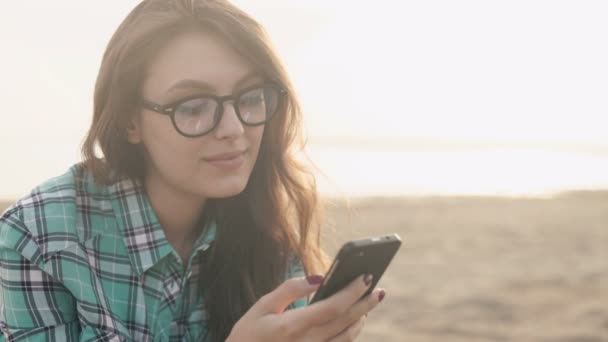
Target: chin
(226,189)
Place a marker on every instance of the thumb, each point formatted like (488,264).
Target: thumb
(291,289)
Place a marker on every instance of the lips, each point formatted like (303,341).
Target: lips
(225,156)
(227,162)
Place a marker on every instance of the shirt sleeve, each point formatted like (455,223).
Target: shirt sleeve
(33,306)
(295,270)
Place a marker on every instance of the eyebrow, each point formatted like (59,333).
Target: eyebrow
(189,83)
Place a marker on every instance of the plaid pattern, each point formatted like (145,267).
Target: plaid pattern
(79,261)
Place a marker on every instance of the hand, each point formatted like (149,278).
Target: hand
(337,318)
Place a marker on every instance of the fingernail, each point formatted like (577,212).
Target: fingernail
(381,295)
(368,279)
(314,279)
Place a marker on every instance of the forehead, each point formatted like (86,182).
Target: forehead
(199,56)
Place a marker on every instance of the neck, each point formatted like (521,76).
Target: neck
(178,213)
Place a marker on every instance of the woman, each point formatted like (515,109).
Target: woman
(197,224)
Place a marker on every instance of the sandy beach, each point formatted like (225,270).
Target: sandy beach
(486,268)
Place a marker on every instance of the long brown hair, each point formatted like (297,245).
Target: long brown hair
(260,230)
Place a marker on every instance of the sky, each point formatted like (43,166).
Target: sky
(396,74)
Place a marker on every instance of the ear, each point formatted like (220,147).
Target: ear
(134,130)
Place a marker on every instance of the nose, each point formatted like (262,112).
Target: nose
(229,127)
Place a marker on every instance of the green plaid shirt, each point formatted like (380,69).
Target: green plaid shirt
(79,261)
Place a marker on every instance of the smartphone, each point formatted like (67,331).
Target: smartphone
(356,257)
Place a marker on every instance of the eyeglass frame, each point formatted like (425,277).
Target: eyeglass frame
(169,109)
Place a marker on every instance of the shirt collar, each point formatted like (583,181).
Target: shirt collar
(142,233)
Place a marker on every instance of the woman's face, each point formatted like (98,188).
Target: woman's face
(194,63)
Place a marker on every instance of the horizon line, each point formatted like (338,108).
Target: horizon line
(454,144)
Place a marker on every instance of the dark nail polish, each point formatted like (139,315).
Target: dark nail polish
(381,295)
(367,279)
(314,279)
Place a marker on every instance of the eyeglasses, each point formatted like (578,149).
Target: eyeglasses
(198,115)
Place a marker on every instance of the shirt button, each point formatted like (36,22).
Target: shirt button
(175,286)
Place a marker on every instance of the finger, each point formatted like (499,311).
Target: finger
(290,290)
(358,310)
(328,309)
(350,333)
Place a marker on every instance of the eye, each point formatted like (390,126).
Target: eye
(196,107)
(252,98)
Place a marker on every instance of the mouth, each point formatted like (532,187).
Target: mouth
(227,161)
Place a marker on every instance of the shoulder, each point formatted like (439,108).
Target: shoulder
(54,215)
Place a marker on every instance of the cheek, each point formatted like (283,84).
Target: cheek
(254,135)
(168,150)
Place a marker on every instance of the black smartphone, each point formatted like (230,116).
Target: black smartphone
(356,257)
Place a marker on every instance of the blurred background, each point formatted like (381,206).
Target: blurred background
(474,129)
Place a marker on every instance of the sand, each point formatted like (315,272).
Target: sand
(484,268)
(488,269)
